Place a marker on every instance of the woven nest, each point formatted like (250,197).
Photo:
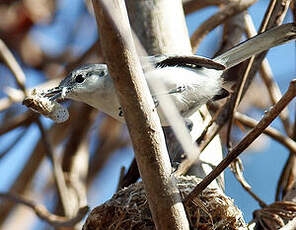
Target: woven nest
(128,209)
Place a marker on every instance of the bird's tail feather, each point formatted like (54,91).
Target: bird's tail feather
(261,42)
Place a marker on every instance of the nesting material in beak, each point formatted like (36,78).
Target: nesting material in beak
(45,104)
(53,94)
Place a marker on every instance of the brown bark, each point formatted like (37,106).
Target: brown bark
(141,118)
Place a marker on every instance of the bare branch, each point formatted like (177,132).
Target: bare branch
(247,140)
(276,18)
(44,214)
(191,6)
(76,157)
(131,176)
(237,169)
(57,171)
(220,17)
(144,126)
(24,119)
(12,64)
(272,132)
(267,76)
(237,96)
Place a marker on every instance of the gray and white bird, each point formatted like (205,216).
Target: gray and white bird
(191,81)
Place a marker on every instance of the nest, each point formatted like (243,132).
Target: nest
(128,209)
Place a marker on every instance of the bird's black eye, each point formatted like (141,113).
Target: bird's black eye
(79,78)
(101,73)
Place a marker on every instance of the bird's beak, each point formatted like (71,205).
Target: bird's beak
(55,93)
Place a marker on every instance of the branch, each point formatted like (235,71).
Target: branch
(238,94)
(76,157)
(276,18)
(24,119)
(144,127)
(44,214)
(12,64)
(191,6)
(272,132)
(57,171)
(237,169)
(267,76)
(246,141)
(220,17)
(57,133)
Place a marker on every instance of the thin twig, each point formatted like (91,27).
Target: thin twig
(24,119)
(288,174)
(237,169)
(121,176)
(131,176)
(223,116)
(220,17)
(57,133)
(246,141)
(57,172)
(272,132)
(267,76)
(44,214)
(190,6)
(76,157)
(237,96)
(12,64)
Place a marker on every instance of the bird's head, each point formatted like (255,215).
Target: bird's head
(80,83)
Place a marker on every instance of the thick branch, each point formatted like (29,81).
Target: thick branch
(144,126)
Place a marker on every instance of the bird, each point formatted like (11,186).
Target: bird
(190,81)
